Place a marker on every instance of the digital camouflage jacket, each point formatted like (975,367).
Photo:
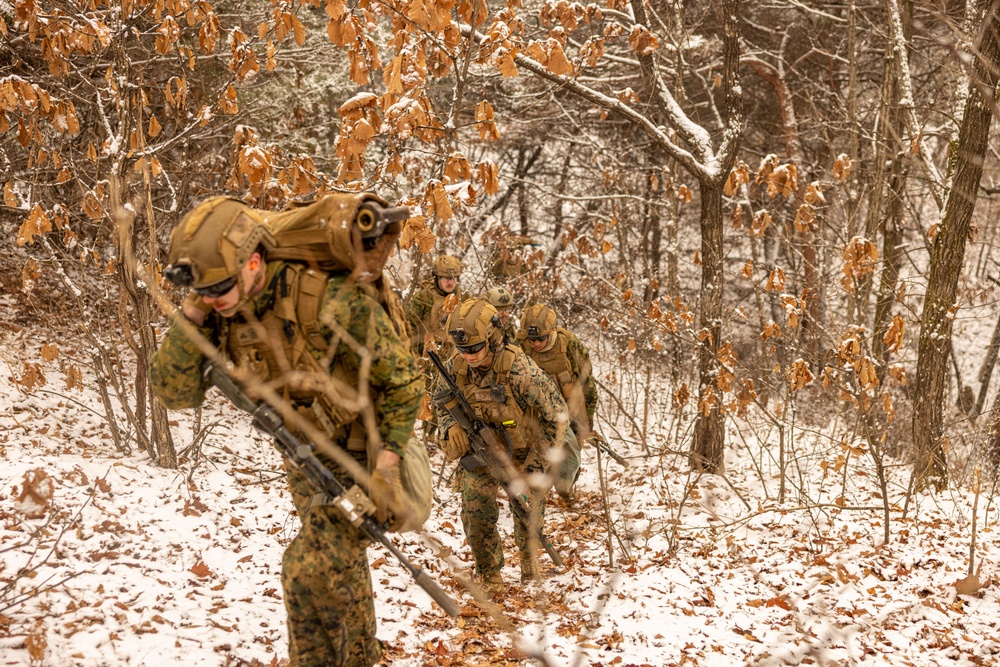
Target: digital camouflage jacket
(394,380)
(530,388)
(578,360)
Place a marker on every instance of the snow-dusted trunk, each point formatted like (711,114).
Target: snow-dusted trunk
(708,448)
(888,187)
(967,155)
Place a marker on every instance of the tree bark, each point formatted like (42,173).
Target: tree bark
(968,153)
(708,449)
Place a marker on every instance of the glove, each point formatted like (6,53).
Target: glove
(456,444)
(195,309)
(389,497)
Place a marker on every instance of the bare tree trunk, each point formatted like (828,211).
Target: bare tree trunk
(135,309)
(968,153)
(708,449)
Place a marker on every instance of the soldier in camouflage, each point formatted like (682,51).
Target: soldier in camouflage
(563,357)
(502,299)
(426,311)
(509,392)
(253,311)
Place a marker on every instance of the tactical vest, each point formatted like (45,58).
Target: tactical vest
(433,322)
(494,404)
(555,363)
(284,346)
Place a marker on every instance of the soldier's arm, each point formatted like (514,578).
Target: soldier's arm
(394,380)
(579,360)
(175,374)
(533,388)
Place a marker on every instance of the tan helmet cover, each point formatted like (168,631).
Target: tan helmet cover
(447,266)
(216,238)
(500,297)
(538,320)
(475,321)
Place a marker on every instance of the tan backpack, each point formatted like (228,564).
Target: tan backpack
(353,233)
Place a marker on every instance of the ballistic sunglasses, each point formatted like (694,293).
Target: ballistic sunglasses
(470,349)
(216,290)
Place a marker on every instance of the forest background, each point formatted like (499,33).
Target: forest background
(780,214)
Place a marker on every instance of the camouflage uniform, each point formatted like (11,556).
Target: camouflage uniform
(567,362)
(426,316)
(541,404)
(325,576)
(564,359)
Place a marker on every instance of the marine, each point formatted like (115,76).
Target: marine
(502,299)
(427,310)
(508,392)
(299,330)
(563,357)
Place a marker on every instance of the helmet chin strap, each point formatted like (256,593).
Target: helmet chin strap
(245,294)
(550,342)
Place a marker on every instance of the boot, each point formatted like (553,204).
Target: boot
(529,570)
(492,584)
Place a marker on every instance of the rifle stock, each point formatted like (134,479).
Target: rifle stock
(353,503)
(490,448)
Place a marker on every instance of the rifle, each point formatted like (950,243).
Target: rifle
(605,447)
(490,448)
(353,504)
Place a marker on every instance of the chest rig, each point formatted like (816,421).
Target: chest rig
(433,322)
(493,402)
(283,348)
(555,363)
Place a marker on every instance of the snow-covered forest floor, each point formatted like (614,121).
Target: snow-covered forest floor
(130,564)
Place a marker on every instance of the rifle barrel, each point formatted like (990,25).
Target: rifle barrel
(603,445)
(267,420)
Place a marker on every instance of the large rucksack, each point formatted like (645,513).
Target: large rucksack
(353,233)
(337,232)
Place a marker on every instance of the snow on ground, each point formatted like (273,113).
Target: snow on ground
(130,564)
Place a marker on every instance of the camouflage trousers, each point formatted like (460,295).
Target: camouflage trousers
(481,511)
(328,590)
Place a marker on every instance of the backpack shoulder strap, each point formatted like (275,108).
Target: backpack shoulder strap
(309,299)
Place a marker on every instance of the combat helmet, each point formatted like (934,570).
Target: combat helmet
(474,324)
(212,242)
(500,297)
(447,266)
(539,322)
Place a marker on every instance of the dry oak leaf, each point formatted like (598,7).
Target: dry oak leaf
(799,375)
(643,42)
(740,175)
(893,338)
(36,494)
(9,196)
(200,570)
(489,177)
(842,167)
(36,223)
(814,194)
